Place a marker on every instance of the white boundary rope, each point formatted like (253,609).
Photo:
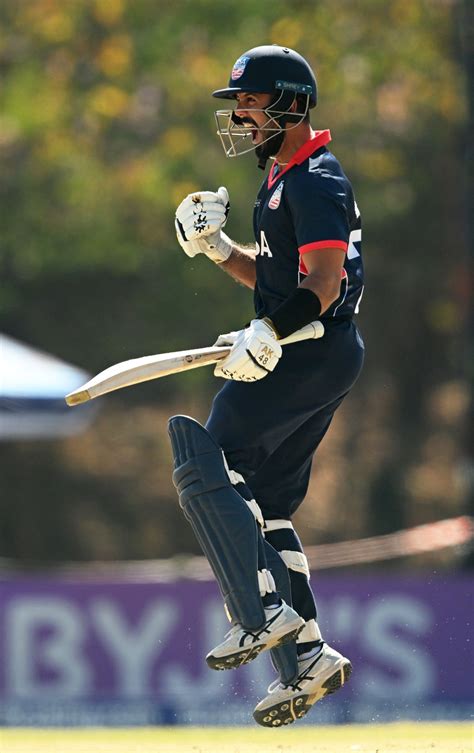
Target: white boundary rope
(421,539)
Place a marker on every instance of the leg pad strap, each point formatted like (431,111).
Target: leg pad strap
(266,582)
(310,632)
(295,561)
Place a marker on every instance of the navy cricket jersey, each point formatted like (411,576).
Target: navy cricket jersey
(307,205)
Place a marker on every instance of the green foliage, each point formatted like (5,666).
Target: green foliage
(107,123)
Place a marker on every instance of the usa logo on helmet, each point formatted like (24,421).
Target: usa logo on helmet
(239,67)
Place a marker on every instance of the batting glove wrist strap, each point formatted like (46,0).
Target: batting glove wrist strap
(199,221)
(218,247)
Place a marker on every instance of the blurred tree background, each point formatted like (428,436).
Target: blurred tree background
(106,124)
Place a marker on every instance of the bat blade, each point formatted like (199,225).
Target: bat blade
(78,397)
(143,369)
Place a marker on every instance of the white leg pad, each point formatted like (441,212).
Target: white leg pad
(266,582)
(236,478)
(295,561)
(310,632)
(256,511)
(275,525)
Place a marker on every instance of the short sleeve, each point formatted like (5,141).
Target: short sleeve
(317,203)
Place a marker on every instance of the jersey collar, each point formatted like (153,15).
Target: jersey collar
(320,138)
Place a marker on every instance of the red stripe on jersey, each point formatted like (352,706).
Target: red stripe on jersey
(302,267)
(320,138)
(323,244)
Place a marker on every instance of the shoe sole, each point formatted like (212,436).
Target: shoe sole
(245,656)
(289,711)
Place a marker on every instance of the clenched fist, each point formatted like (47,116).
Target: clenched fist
(199,221)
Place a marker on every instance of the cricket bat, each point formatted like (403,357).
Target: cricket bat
(138,370)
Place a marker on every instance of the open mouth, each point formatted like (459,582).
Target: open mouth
(252,133)
(251,128)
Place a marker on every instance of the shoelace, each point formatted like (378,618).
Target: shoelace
(302,677)
(257,633)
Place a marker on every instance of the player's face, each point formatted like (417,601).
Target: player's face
(251,109)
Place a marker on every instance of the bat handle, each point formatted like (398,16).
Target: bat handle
(311,331)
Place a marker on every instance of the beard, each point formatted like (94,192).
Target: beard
(270,148)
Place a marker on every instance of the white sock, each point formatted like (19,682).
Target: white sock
(310,654)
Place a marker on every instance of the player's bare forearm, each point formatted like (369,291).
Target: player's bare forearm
(324,274)
(241,265)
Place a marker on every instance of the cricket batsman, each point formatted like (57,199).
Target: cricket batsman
(242,476)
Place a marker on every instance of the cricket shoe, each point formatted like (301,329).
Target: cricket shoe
(282,625)
(318,676)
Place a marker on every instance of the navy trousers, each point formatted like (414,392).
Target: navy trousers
(270,429)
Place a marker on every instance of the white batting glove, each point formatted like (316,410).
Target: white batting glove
(199,221)
(254,354)
(228,338)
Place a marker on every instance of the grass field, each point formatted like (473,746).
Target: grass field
(384,738)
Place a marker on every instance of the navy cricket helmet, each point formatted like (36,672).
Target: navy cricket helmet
(269,68)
